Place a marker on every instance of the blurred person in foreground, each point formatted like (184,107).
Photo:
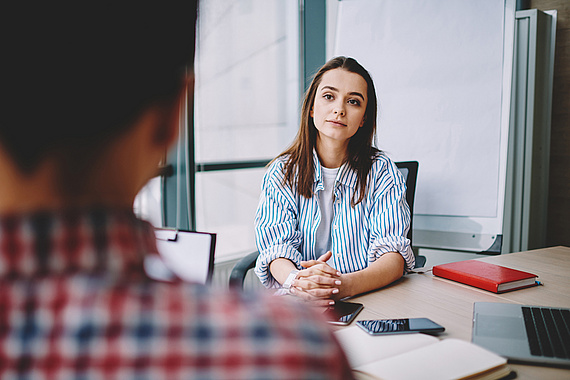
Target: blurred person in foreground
(91,98)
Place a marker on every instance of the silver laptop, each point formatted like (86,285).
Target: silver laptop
(523,333)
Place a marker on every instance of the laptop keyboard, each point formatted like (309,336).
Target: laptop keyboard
(548,331)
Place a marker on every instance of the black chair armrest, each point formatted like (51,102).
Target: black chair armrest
(237,276)
(420,261)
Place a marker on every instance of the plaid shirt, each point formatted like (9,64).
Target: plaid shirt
(75,304)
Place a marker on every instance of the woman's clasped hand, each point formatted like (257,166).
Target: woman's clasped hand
(318,282)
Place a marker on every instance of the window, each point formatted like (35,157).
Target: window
(246,109)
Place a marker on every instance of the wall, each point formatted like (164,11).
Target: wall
(559,187)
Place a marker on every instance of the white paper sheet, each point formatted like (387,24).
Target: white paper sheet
(362,348)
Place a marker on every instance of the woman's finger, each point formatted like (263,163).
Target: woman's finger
(325,257)
(322,292)
(319,268)
(314,300)
(317,281)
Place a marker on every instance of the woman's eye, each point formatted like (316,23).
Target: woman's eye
(327,96)
(354,102)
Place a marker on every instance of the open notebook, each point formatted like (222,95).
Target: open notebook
(417,356)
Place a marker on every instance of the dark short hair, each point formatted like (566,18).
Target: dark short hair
(78,72)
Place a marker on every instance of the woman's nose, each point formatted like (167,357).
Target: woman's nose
(339,110)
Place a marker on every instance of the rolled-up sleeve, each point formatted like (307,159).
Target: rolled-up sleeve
(276,225)
(390,219)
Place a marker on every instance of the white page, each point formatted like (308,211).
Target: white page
(447,359)
(188,257)
(362,348)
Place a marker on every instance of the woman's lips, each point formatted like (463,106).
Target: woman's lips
(336,122)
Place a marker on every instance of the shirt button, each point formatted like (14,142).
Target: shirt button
(337,254)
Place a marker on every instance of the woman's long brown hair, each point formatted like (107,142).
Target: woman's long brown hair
(299,168)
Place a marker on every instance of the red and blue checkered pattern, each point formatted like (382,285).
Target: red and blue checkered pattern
(75,304)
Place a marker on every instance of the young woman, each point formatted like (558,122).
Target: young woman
(332,218)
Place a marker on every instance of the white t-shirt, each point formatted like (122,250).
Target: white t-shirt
(325,199)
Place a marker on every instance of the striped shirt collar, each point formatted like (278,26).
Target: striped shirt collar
(346,175)
(112,243)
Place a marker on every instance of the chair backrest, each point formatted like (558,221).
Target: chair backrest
(409,170)
(188,255)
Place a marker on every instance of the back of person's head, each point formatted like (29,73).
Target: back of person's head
(75,74)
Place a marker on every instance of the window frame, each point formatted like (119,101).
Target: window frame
(179,173)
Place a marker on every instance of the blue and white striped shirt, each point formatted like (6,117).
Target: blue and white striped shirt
(286,222)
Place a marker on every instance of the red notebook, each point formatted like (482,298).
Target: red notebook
(491,277)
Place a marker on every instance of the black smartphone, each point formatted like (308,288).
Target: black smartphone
(400,326)
(342,313)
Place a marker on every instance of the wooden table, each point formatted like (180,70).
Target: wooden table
(451,304)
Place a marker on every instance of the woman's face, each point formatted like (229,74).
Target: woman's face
(340,105)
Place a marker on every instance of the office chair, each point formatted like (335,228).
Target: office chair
(409,170)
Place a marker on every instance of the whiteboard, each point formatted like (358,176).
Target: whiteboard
(442,71)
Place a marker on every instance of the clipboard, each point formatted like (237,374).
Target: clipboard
(188,255)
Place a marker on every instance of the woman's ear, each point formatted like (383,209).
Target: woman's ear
(363,121)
